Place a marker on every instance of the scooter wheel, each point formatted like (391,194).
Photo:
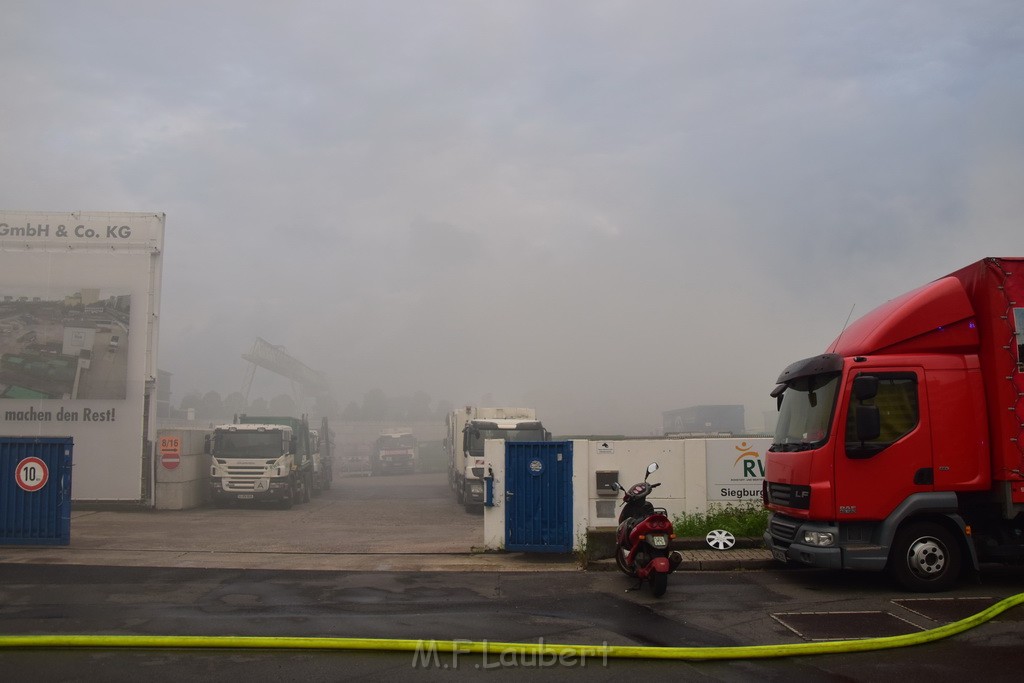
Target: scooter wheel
(659,584)
(620,561)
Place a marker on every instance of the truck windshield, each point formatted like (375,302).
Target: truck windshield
(396,442)
(806,413)
(248,445)
(475,437)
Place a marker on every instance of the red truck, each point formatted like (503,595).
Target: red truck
(901,449)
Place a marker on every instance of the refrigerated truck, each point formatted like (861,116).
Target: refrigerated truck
(900,448)
(465,432)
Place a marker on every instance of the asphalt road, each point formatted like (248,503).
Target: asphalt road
(53,591)
(701,609)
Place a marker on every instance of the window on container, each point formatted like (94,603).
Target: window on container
(898,412)
(1018,325)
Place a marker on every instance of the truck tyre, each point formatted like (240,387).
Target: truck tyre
(925,558)
(289,495)
(307,487)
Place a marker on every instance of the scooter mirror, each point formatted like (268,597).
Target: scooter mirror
(652,468)
(615,486)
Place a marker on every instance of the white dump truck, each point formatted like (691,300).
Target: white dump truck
(261,459)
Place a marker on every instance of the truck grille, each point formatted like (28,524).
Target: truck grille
(243,476)
(783,528)
(789,495)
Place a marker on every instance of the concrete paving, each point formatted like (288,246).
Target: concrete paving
(401,523)
(131,553)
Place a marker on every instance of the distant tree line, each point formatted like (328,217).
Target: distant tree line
(378,407)
(211,406)
(375,407)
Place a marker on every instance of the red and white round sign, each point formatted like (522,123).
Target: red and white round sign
(170,451)
(31,474)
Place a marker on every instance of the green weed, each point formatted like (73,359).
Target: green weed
(742,520)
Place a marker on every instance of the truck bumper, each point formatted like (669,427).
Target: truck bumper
(813,556)
(398,466)
(784,539)
(275,492)
(474,491)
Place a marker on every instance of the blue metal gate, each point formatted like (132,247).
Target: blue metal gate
(35,490)
(538,496)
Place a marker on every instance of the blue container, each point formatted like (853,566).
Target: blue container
(35,490)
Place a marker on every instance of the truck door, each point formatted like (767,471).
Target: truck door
(874,475)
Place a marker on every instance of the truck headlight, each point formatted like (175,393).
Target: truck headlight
(819,538)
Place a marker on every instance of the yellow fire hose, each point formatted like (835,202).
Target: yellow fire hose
(541,649)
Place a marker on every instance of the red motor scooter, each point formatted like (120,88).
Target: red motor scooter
(644,536)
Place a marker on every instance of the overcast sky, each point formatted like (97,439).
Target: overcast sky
(604,210)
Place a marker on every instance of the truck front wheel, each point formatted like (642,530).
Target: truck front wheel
(307,487)
(289,495)
(925,558)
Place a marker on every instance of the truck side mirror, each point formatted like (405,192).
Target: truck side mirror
(777,393)
(865,387)
(206,445)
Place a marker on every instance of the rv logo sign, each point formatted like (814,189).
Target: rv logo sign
(735,468)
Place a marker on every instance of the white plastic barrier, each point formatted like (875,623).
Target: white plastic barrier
(695,474)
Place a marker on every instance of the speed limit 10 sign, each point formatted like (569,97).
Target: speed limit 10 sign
(31,474)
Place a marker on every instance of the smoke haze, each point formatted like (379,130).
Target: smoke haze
(603,210)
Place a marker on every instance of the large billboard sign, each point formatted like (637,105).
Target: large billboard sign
(79,313)
(735,469)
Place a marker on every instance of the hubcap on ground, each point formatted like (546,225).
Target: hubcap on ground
(720,539)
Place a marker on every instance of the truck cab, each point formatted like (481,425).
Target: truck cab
(898,449)
(259,462)
(394,452)
(475,433)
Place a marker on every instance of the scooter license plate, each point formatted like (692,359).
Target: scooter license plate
(659,541)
